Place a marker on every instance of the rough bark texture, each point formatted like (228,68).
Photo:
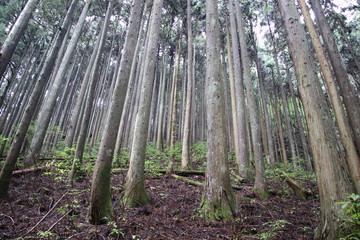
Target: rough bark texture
(80,147)
(13,38)
(25,121)
(218,201)
(260,183)
(185,156)
(100,205)
(48,105)
(135,194)
(352,156)
(242,158)
(351,100)
(332,177)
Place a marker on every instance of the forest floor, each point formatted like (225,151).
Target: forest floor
(172,214)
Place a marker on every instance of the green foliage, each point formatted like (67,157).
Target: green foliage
(114,230)
(273,229)
(350,210)
(47,235)
(198,153)
(281,170)
(122,159)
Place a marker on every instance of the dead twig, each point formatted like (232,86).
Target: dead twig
(47,214)
(4,215)
(62,217)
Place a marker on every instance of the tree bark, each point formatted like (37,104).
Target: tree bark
(50,101)
(352,157)
(16,32)
(185,155)
(218,201)
(100,206)
(80,147)
(13,154)
(242,158)
(351,100)
(260,182)
(332,176)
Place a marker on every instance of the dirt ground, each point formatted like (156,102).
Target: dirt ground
(172,214)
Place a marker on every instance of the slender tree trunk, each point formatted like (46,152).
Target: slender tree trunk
(331,171)
(185,156)
(75,115)
(351,100)
(306,152)
(80,147)
(13,154)
(135,194)
(352,157)
(233,104)
(100,205)
(173,102)
(50,101)
(242,159)
(13,38)
(218,201)
(260,182)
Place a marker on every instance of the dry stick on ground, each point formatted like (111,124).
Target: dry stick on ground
(300,192)
(29,170)
(163,171)
(62,217)
(42,219)
(197,183)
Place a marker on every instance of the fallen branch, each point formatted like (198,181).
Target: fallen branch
(197,183)
(29,170)
(62,217)
(192,182)
(164,171)
(47,214)
(299,191)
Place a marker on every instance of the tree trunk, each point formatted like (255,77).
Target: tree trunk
(260,183)
(242,158)
(185,156)
(351,100)
(218,201)
(50,101)
(94,77)
(100,205)
(332,177)
(13,38)
(352,157)
(13,154)
(135,194)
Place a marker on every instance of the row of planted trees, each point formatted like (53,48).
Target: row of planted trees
(116,76)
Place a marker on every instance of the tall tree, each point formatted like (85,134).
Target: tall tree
(332,176)
(185,156)
(48,105)
(94,77)
(13,38)
(351,100)
(30,110)
(352,156)
(100,205)
(242,156)
(260,183)
(218,201)
(135,186)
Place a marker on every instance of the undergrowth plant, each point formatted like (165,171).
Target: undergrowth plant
(350,210)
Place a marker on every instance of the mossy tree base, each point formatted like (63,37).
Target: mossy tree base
(135,196)
(100,212)
(220,210)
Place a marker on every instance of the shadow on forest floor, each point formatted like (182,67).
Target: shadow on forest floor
(173,213)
